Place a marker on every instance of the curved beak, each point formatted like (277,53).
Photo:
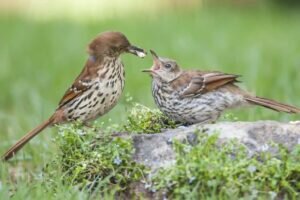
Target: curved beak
(148,70)
(155,57)
(136,51)
(156,63)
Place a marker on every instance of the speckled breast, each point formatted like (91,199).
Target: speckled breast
(203,108)
(102,96)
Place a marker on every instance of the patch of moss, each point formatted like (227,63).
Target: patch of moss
(93,162)
(205,171)
(102,163)
(142,119)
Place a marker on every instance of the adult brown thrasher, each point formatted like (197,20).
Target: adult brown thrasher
(193,96)
(95,91)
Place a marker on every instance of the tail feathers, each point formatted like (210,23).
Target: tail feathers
(16,147)
(274,105)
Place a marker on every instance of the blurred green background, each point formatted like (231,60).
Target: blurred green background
(43,48)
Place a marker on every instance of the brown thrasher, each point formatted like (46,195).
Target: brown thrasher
(96,90)
(200,96)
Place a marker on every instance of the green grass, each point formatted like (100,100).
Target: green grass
(99,164)
(39,60)
(210,171)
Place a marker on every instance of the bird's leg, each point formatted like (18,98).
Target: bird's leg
(89,125)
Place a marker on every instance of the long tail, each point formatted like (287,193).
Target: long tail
(16,147)
(271,104)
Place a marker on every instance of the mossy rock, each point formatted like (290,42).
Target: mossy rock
(254,160)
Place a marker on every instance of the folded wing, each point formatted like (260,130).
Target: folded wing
(203,82)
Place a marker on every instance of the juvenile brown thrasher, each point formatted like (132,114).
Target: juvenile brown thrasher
(95,91)
(193,96)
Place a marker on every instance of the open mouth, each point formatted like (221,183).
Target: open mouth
(156,64)
(155,67)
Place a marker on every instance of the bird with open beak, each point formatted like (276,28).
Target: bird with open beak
(193,96)
(97,88)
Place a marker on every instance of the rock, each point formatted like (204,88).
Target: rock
(155,150)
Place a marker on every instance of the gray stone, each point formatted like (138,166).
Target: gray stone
(155,150)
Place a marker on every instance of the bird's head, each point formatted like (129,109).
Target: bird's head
(113,44)
(163,69)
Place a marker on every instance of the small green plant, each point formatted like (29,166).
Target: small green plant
(142,119)
(103,164)
(206,171)
(229,117)
(94,162)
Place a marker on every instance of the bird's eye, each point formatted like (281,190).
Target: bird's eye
(168,66)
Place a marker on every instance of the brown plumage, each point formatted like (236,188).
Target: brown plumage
(97,88)
(200,96)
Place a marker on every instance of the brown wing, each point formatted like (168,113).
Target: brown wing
(202,82)
(74,91)
(81,83)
